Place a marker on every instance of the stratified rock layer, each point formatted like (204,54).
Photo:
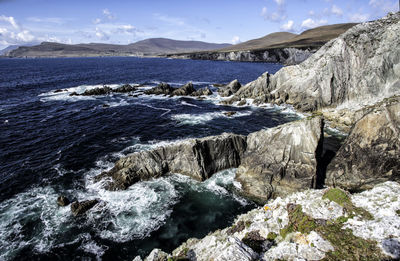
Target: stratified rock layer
(197,158)
(371,153)
(281,159)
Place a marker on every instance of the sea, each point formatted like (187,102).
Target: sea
(53,144)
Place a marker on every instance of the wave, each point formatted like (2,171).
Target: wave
(195,119)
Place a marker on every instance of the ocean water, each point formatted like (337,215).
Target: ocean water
(52,144)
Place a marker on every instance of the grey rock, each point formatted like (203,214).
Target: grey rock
(197,158)
(371,153)
(79,208)
(185,90)
(157,255)
(125,88)
(97,91)
(63,201)
(281,160)
(162,88)
(360,67)
(202,92)
(229,89)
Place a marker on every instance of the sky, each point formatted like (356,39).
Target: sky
(219,21)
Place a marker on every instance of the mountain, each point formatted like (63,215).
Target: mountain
(280,47)
(152,46)
(10,48)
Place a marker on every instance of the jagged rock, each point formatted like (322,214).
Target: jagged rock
(125,88)
(59,90)
(185,90)
(360,67)
(63,201)
(202,92)
(97,91)
(197,158)
(281,160)
(254,241)
(371,153)
(229,113)
(229,89)
(162,88)
(79,208)
(137,258)
(157,255)
(74,94)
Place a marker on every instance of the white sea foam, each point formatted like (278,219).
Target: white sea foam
(195,119)
(189,104)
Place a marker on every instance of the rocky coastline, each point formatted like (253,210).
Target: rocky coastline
(351,83)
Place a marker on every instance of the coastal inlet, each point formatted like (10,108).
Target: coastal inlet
(54,143)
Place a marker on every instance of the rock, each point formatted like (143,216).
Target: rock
(59,90)
(74,94)
(360,67)
(79,208)
(281,160)
(371,153)
(97,91)
(137,258)
(105,106)
(242,102)
(162,88)
(185,90)
(229,89)
(157,255)
(63,201)
(254,241)
(125,88)
(202,92)
(229,113)
(197,158)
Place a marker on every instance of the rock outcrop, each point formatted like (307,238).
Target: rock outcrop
(229,89)
(281,160)
(63,201)
(79,208)
(360,67)
(371,153)
(185,90)
(197,158)
(161,89)
(202,92)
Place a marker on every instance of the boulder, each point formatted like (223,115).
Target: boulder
(371,153)
(229,113)
(197,158)
(229,89)
(202,92)
(281,160)
(63,201)
(79,208)
(185,90)
(97,91)
(157,255)
(162,88)
(125,88)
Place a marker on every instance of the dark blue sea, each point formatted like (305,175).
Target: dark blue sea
(52,144)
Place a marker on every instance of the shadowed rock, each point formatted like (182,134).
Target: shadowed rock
(281,160)
(97,91)
(79,208)
(125,88)
(202,92)
(185,90)
(229,89)
(371,153)
(162,88)
(63,201)
(197,158)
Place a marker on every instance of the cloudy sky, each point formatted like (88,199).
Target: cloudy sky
(220,21)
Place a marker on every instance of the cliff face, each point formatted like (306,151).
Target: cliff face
(360,67)
(277,55)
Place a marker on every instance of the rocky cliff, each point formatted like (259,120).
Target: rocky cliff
(359,68)
(273,55)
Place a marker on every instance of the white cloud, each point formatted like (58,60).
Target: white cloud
(101,34)
(336,11)
(125,29)
(236,40)
(276,16)
(357,17)
(53,20)
(310,23)
(385,6)
(170,20)
(108,14)
(11,20)
(288,26)
(279,2)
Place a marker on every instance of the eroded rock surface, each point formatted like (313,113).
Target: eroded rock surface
(281,160)
(229,89)
(371,153)
(197,158)
(79,208)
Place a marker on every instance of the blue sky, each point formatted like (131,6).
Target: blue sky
(220,21)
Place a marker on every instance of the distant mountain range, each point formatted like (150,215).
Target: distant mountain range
(153,46)
(313,38)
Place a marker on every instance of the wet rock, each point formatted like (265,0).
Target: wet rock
(281,160)
(371,153)
(185,90)
(97,91)
(229,113)
(63,201)
(125,88)
(105,106)
(162,88)
(197,158)
(74,94)
(202,92)
(229,89)
(59,90)
(79,208)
